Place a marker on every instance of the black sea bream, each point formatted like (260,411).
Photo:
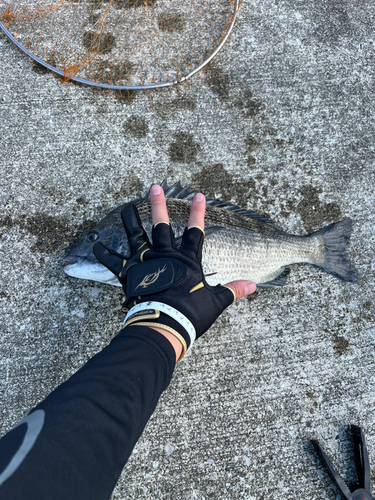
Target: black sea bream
(239,244)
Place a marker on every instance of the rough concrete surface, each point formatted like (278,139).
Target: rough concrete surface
(282,123)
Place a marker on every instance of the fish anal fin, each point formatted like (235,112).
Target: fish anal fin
(280,280)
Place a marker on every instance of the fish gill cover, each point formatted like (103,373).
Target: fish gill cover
(120,43)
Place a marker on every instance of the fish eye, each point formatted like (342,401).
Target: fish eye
(91,237)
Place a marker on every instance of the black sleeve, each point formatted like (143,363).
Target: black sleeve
(75,443)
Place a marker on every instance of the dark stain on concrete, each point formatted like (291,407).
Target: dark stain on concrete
(125,96)
(251,145)
(216,181)
(117,4)
(128,4)
(367,305)
(264,191)
(94,4)
(52,60)
(253,296)
(331,21)
(94,18)
(340,344)
(137,127)
(52,233)
(184,149)
(171,23)
(218,81)
(131,188)
(100,42)
(251,161)
(6,222)
(51,191)
(4,295)
(102,108)
(311,397)
(167,109)
(313,213)
(248,105)
(114,74)
(82,201)
(282,143)
(39,69)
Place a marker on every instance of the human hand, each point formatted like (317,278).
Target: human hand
(240,288)
(165,284)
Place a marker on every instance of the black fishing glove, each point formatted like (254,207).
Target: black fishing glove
(165,286)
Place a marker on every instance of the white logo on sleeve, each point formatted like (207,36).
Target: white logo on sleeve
(34,423)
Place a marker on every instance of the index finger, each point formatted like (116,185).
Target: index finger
(137,236)
(197,211)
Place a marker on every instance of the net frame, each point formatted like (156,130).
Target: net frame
(113,87)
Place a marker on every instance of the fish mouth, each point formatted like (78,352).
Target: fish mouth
(68,268)
(70,261)
(78,267)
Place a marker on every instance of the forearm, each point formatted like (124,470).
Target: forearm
(92,422)
(176,344)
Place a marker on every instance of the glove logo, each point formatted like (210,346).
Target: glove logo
(149,279)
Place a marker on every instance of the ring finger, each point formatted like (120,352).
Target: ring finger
(198,208)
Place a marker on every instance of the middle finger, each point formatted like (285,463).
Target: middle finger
(158,205)
(198,208)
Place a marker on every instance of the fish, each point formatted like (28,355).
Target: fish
(239,243)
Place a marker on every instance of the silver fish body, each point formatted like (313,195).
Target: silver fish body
(239,244)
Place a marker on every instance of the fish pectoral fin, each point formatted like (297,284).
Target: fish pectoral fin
(280,280)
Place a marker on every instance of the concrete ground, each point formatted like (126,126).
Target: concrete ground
(282,123)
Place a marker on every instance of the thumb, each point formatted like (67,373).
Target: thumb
(241,288)
(109,258)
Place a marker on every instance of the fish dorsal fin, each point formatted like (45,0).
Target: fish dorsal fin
(280,280)
(178,192)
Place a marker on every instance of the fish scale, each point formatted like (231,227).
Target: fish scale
(264,257)
(239,244)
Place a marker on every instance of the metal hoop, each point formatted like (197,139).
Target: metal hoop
(125,87)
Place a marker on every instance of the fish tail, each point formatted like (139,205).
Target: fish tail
(335,239)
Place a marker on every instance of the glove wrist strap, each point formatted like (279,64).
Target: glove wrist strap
(150,307)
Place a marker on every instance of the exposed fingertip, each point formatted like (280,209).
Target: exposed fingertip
(250,288)
(155,190)
(199,197)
